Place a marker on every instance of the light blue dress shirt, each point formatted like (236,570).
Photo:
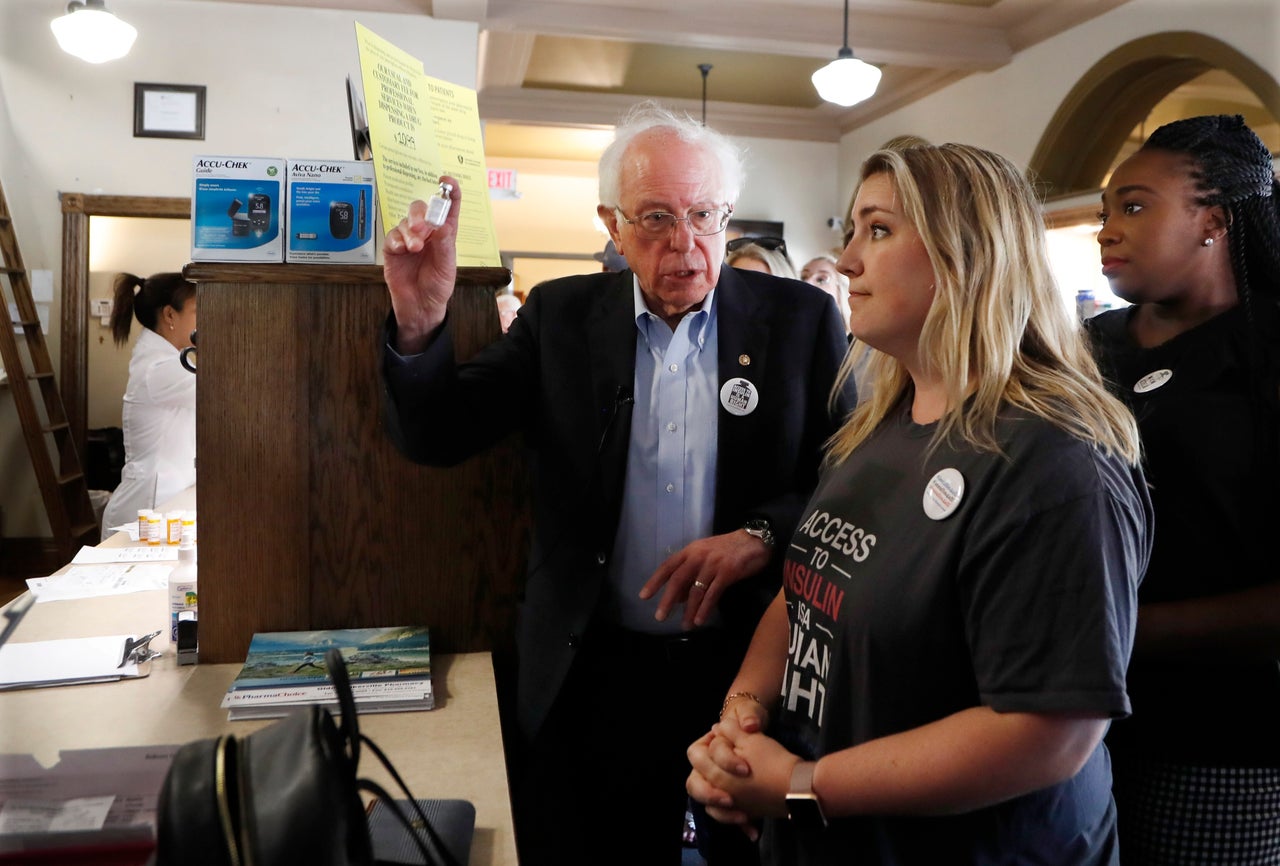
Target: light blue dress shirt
(669,498)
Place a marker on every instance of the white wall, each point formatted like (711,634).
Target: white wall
(66,125)
(276,87)
(1007,110)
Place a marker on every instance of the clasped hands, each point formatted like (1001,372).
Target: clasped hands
(739,772)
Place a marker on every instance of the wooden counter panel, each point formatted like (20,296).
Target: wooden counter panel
(252,433)
(345,531)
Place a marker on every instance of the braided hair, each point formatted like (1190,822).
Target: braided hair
(1232,169)
(145,298)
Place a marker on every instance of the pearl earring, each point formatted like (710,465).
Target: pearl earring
(1208,242)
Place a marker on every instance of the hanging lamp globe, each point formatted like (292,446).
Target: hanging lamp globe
(846,80)
(93,34)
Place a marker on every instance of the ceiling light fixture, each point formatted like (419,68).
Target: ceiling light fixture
(704,68)
(846,80)
(93,34)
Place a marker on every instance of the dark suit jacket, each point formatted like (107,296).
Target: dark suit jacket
(563,375)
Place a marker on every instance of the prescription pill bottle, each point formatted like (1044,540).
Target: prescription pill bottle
(155,527)
(189,522)
(143,513)
(173,527)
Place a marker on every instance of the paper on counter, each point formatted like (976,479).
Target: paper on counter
(155,553)
(54,816)
(92,581)
(127,778)
(63,662)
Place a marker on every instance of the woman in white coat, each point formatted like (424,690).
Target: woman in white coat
(160,400)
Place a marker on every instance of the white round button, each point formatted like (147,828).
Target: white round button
(943,493)
(739,397)
(1152,381)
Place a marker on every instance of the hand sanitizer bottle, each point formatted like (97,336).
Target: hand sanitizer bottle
(182,582)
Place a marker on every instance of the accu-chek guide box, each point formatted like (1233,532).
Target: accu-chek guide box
(237,212)
(330,211)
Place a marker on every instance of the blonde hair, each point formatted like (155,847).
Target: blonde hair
(775,260)
(998,332)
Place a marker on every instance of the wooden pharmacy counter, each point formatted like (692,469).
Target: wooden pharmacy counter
(453,751)
(309,517)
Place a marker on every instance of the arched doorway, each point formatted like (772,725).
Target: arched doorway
(1095,120)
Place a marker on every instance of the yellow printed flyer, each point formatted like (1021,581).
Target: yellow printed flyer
(420,128)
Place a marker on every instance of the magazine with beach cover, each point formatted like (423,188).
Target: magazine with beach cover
(390,671)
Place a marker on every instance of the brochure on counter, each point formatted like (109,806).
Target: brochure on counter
(389,669)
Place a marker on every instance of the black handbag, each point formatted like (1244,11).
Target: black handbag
(286,794)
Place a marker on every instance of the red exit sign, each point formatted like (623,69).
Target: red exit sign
(502,178)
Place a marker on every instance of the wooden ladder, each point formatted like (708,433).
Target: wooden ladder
(63,486)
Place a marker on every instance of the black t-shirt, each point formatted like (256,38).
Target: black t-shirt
(1206,405)
(1018,593)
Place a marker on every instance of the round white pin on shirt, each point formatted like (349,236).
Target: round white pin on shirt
(739,397)
(1152,381)
(943,493)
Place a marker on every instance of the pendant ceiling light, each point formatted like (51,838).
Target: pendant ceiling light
(704,68)
(93,34)
(846,80)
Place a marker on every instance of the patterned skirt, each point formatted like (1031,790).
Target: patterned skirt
(1175,815)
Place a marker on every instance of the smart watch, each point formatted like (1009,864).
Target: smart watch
(803,807)
(760,529)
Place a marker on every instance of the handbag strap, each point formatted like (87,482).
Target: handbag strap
(350,727)
(443,856)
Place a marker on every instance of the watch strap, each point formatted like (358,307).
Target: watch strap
(802,778)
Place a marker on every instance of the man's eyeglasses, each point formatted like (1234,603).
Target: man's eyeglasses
(766,243)
(656,225)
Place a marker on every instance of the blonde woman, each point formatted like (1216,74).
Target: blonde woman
(937,674)
(821,271)
(764,254)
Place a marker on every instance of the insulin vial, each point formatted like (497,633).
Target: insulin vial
(182,584)
(173,527)
(155,527)
(438,206)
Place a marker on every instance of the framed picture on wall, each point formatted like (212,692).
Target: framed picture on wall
(168,110)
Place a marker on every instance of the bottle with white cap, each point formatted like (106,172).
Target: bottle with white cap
(182,583)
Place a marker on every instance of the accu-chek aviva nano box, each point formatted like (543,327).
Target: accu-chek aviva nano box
(236,212)
(330,211)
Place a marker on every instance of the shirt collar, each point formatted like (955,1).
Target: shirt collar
(698,319)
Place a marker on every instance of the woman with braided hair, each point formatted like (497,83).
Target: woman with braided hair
(1191,237)
(160,400)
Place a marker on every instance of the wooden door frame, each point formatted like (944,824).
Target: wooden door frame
(77,208)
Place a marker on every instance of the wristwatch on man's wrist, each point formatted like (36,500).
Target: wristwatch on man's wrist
(760,529)
(803,807)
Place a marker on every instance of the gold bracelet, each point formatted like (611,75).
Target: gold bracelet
(734,697)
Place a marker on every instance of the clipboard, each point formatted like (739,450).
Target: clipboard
(71,661)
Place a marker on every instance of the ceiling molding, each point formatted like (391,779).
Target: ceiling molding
(460,10)
(503,58)
(786,29)
(907,90)
(528,105)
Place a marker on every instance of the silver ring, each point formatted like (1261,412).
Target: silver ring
(697,584)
